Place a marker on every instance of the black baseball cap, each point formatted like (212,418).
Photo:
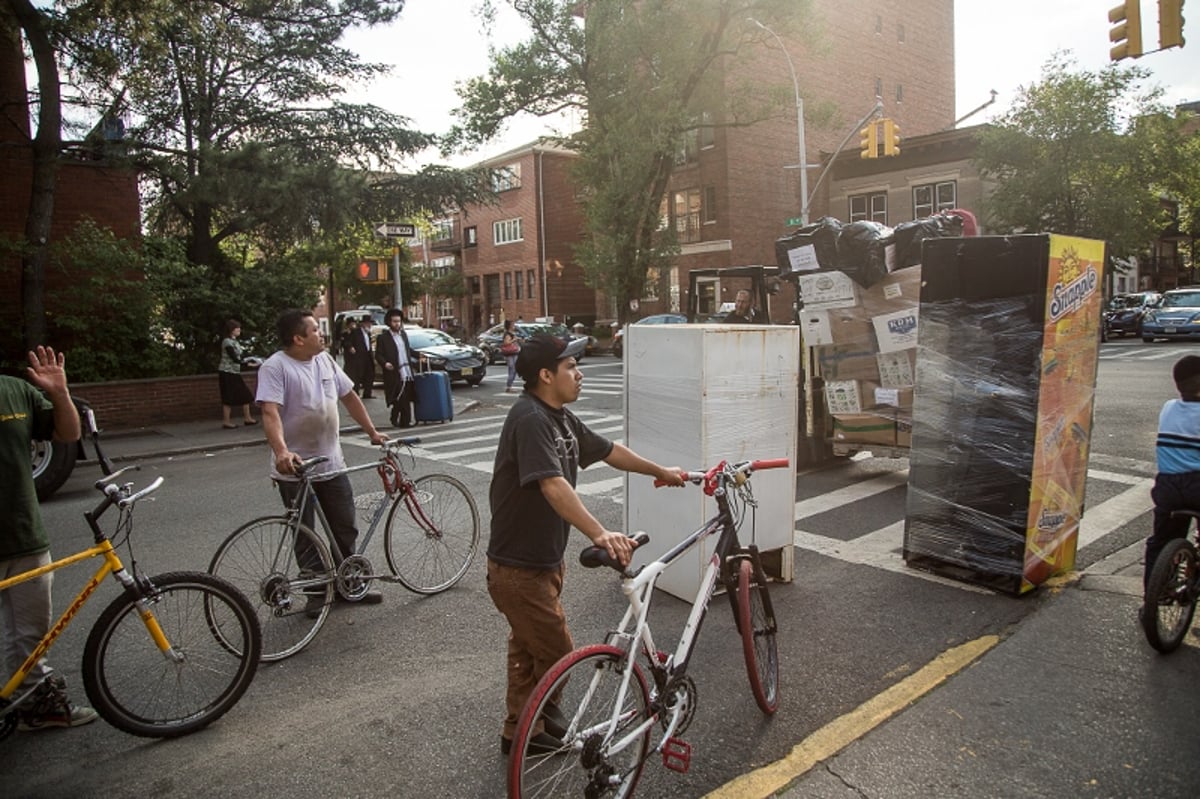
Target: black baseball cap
(544,351)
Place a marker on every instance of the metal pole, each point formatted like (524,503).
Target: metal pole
(803,162)
(396,275)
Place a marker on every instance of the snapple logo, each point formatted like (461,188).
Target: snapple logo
(1049,521)
(902,326)
(1070,297)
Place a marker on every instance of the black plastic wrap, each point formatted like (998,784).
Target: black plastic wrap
(822,235)
(909,235)
(863,252)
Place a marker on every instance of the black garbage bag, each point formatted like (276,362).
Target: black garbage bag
(909,236)
(862,251)
(821,235)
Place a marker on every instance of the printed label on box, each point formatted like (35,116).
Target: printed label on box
(814,328)
(889,257)
(896,397)
(841,396)
(827,290)
(897,330)
(896,368)
(803,258)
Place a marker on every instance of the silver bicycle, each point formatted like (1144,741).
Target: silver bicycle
(292,575)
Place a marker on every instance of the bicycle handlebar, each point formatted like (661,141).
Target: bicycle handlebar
(125,502)
(593,557)
(108,478)
(738,471)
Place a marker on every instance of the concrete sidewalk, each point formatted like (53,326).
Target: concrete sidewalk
(1073,702)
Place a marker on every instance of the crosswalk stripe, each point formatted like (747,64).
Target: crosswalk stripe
(850,493)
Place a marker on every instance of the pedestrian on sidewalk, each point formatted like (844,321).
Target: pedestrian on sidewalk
(356,354)
(299,389)
(234,391)
(399,363)
(28,415)
(534,505)
(1177,484)
(509,348)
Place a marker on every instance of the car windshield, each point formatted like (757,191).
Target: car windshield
(1181,299)
(421,339)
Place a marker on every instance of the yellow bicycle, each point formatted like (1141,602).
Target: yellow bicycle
(167,657)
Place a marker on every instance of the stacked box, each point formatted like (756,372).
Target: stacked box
(864,345)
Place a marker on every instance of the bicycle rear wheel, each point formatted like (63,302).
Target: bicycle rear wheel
(143,691)
(1170,601)
(432,533)
(756,620)
(260,559)
(584,685)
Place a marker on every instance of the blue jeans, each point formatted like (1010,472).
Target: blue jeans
(511,360)
(337,502)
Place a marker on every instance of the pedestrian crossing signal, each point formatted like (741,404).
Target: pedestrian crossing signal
(372,270)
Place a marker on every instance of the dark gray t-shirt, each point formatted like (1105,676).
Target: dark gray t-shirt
(536,442)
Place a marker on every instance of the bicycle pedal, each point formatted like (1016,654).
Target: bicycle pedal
(677,755)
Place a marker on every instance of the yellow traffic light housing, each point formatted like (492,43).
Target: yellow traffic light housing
(869,141)
(1170,24)
(1126,33)
(891,137)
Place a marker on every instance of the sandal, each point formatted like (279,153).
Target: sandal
(249,422)
(229,426)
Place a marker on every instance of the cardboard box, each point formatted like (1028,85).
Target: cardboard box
(904,429)
(848,362)
(894,397)
(824,290)
(864,428)
(901,289)
(897,369)
(814,328)
(897,330)
(842,396)
(851,326)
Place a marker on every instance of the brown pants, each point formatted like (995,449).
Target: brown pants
(538,635)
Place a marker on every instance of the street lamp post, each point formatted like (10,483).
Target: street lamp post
(803,163)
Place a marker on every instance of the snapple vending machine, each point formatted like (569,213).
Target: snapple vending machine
(1007,351)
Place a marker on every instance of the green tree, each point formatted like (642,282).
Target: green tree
(1084,153)
(649,75)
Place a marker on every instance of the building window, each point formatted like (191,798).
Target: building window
(870,207)
(530,284)
(707,131)
(650,292)
(443,230)
(687,215)
(520,285)
(664,214)
(471,236)
(899,93)
(506,231)
(709,206)
(441,266)
(934,197)
(689,148)
(445,309)
(506,178)
(879,87)
(508,285)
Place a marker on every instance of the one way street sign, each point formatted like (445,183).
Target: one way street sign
(395,230)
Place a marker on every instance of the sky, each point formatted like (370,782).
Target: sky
(998,45)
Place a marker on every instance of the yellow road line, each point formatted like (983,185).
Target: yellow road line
(841,732)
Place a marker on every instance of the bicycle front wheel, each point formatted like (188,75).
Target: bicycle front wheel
(1170,601)
(286,571)
(432,533)
(214,647)
(604,747)
(756,619)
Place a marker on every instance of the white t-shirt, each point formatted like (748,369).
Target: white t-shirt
(307,393)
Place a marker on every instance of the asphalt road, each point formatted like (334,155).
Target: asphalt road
(405,698)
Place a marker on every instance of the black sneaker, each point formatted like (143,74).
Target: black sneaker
(52,708)
(540,744)
(554,722)
(313,605)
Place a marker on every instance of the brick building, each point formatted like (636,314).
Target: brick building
(84,189)
(735,188)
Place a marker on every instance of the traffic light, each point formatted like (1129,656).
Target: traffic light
(891,137)
(1126,33)
(372,270)
(1170,23)
(869,141)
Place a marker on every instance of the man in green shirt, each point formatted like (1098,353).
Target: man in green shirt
(26,415)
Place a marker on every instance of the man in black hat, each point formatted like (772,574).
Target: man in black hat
(534,505)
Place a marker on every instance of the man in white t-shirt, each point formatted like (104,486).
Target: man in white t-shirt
(299,389)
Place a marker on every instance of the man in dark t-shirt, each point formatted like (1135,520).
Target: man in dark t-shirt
(534,505)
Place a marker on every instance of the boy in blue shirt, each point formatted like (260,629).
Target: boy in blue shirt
(1177,485)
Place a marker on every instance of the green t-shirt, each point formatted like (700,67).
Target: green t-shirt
(25,415)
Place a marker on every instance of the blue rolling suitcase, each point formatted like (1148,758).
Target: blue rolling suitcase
(434,403)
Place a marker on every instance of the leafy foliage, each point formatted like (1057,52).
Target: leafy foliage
(645,72)
(1088,154)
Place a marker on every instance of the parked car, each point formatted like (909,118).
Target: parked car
(618,342)
(1125,312)
(490,339)
(445,353)
(1176,316)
